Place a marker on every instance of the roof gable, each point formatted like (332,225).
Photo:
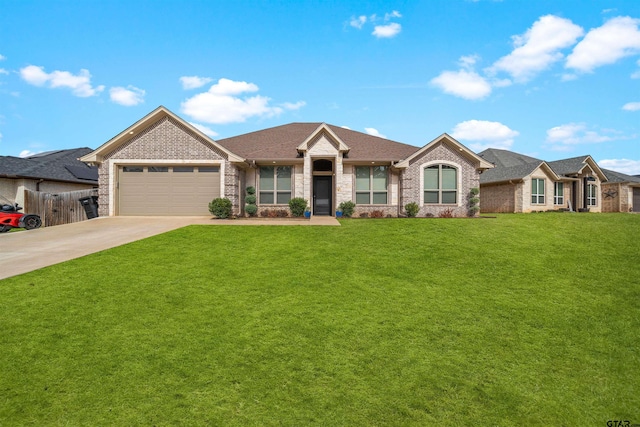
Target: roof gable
(576,166)
(479,162)
(285,142)
(140,126)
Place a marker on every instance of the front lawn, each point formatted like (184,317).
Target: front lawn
(519,320)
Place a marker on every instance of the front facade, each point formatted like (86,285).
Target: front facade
(520,183)
(162,165)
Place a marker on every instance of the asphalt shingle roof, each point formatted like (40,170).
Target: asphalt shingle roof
(613,176)
(509,165)
(280,142)
(568,166)
(60,165)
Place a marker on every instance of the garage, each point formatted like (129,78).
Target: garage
(167,189)
(636,199)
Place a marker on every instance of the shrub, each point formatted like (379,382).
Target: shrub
(447,213)
(250,199)
(475,191)
(297,205)
(220,207)
(412,209)
(376,214)
(251,210)
(364,215)
(347,208)
(251,190)
(474,201)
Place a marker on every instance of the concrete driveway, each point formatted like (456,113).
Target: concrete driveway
(25,251)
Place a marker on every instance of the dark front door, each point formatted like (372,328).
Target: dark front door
(322,195)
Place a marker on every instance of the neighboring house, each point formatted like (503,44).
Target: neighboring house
(162,165)
(621,192)
(51,172)
(520,183)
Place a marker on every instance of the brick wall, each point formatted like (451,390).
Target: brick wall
(468,177)
(168,139)
(498,198)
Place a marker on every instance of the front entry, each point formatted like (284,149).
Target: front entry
(322,195)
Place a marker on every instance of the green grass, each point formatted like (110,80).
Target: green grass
(519,320)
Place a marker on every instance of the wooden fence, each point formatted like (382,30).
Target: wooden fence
(59,208)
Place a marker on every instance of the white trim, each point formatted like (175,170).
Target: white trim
(115,163)
(458,181)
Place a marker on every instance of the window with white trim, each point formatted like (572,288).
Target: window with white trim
(537,191)
(440,185)
(558,193)
(275,185)
(371,185)
(592,191)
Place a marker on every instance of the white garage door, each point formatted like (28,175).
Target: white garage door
(167,190)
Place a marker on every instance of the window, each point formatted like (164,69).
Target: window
(591,194)
(371,185)
(132,169)
(205,169)
(275,185)
(180,169)
(558,193)
(537,191)
(440,185)
(158,169)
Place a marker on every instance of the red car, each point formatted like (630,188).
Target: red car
(11,218)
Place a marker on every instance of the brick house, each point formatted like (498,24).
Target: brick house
(621,192)
(519,183)
(162,165)
(51,172)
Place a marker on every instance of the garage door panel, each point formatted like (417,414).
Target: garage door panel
(186,192)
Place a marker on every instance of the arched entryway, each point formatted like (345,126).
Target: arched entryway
(322,187)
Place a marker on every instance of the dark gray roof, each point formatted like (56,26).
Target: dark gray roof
(280,142)
(59,165)
(509,165)
(570,166)
(506,158)
(613,176)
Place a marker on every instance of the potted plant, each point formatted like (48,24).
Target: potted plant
(338,213)
(307,212)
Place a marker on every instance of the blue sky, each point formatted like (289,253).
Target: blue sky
(550,79)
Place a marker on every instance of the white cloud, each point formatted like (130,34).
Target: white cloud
(3,71)
(2,57)
(538,48)
(630,167)
(222,103)
(293,105)
(26,153)
(358,22)
(631,106)
(484,134)
(467,62)
(79,84)
(617,38)
(128,96)
(204,129)
(564,136)
(394,14)
(194,82)
(464,84)
(374,132)
(387,31)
